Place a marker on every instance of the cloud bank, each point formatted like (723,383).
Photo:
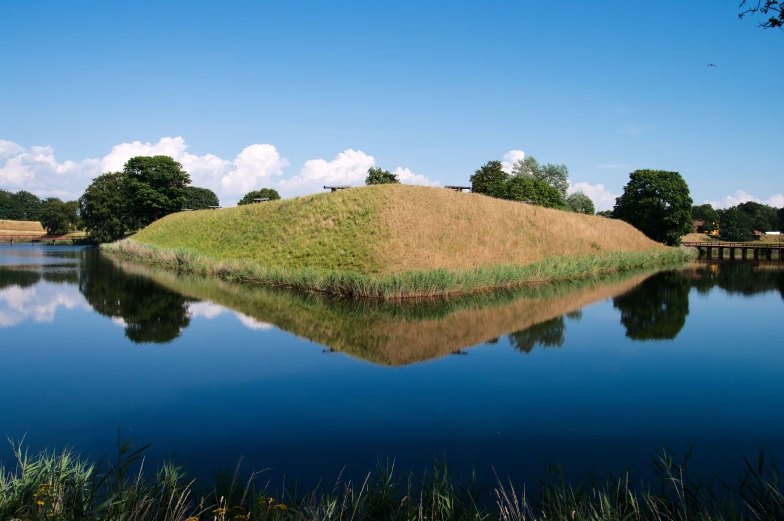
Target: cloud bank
(776,201)
(37,170)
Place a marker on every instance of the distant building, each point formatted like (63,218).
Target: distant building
(757,235)
(695,226)
(772,233)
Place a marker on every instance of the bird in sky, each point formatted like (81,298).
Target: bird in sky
(711,65)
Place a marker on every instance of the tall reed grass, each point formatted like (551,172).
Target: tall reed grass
(51,486)
(410,284)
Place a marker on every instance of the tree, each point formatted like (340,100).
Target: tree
(580,203)
(706,213)
(546,334)
(554,175)
(526,189)
(735,225)
(269,193)
(763,217)
(781,220)
(526,167)
(199,198)
(103,210)
(606,213)
(154,187)
(490,180)
(657,203)
(58,217)
(379,176)
(19,206)
(766,7)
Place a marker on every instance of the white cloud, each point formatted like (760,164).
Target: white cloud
(510,158)
(204,309)
(119,321)
(9,148)
(602,198)
(407,177)
(252,323)
(38,303)
(348,168)
(777,201)
(254,167)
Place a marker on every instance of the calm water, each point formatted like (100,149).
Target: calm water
(596,374)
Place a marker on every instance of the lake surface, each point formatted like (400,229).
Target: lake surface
(594,374)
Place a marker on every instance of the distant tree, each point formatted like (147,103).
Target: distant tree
(19,206)
(269,193)
(526,189)
(657,203)
(199,198)
(766,7)
(379,176)
(103,209)
(706,213)
(490,180)
(154,187)
(763,217)
(58,217)
(606,213)
(781,220)
(735,225)
(554,175)
(580,203)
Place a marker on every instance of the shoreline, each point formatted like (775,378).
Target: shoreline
(406,285)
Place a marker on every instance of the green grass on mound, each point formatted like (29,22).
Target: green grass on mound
(410,284)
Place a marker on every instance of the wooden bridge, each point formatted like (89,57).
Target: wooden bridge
(11,239)
(761,250)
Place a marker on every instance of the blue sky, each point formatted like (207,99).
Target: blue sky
(298,94)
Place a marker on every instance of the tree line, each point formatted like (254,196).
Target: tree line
(739,222)
(117,203)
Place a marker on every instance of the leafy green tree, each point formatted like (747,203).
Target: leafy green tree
(58,217)
(657,203)
(490,180)
(606,213)
(103,210)
(526,167)
(269,193)
(578,202)
(379,176)
(154,187)
(706,213)
(735,225)
(763,217)
(19,206)
(200,198)
(781,220)
(554,175)
(526,189)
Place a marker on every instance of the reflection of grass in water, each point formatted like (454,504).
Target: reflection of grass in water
(60,487)
(397,333)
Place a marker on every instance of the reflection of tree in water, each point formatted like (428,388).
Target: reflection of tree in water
(545,334)
(657,308)
(16,277)
(151,313)
(741,278)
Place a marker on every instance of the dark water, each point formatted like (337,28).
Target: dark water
(595,374)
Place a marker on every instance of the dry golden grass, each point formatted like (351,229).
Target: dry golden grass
(437,228)
(21,228)
(392,229)
(701,237)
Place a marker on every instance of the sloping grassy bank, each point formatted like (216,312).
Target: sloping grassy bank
(409,284)
(64,487)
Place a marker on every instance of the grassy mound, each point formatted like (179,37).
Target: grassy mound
(394,241)
(21,228)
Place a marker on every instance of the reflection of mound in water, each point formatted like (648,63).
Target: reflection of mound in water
(149,312)
(398,333)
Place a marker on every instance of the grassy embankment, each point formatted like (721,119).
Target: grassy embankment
(21,228)
(701,237)
(64,487)
(394,241)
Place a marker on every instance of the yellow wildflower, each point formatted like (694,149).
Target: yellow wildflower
(221,511)
(41,503)
(239,516)
(192,519)
(281,506)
